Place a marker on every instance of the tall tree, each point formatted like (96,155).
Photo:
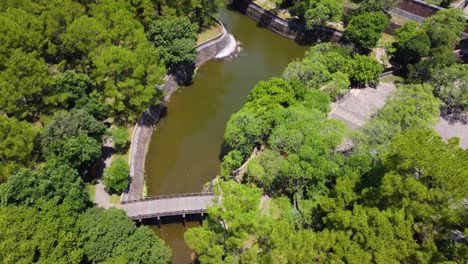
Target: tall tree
(175,38)
(17,140)
(110,236)
(72,138)
(29,235)
(22,83)
(19,30)
(364,30)
(129,78)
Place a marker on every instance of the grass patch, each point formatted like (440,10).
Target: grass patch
(126,155)
(114,198)
(209,33)
(270,5)
(396,19)
(145,189)
(91,190)
(350,4)
(391,79)
(386,38)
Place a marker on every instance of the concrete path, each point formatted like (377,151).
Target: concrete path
(448,130)
(358,106)
(101,197)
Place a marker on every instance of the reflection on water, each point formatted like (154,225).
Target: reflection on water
(173,235)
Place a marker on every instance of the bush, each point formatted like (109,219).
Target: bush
(116,176)
(232,161)
(363,70)
(364,30)
(120,139)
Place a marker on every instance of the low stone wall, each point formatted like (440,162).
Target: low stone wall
(285,28)
(144,129)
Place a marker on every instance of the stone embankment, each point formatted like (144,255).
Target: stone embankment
(286,28)
(225,44)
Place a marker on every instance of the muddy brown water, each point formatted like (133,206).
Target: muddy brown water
(185,147)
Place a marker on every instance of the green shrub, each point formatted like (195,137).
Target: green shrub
(116,176)
(120,139)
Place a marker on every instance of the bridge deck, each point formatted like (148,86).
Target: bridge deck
(168,206)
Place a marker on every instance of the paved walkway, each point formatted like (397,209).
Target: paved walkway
(101,197)
(358,106)
(169,205)
(448,130)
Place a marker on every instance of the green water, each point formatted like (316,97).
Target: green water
(185,147)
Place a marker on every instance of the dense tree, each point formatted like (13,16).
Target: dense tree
(22,83)
(58,235)
(57,16)
(116,176)
(316,13)
(51,186)
(364,30)
(30,235)
(72,138)
(363,70)
(444,27)
(117,17)
(409,214)
(69,88)
(411,49)
(19,30)
(198,11)
(323,67)
(82,38)
(451,86)
(17,140)
(229,225)
(175,38)
(110,236)
(129,78)
(120,139)
(231,161)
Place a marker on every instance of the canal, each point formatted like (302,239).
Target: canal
(185,148)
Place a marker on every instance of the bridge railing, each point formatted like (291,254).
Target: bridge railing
(171,213)
(169,196)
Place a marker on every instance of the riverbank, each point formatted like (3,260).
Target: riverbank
(146,124)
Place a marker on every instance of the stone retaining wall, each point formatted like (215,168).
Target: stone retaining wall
(285,28)
(144,129)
